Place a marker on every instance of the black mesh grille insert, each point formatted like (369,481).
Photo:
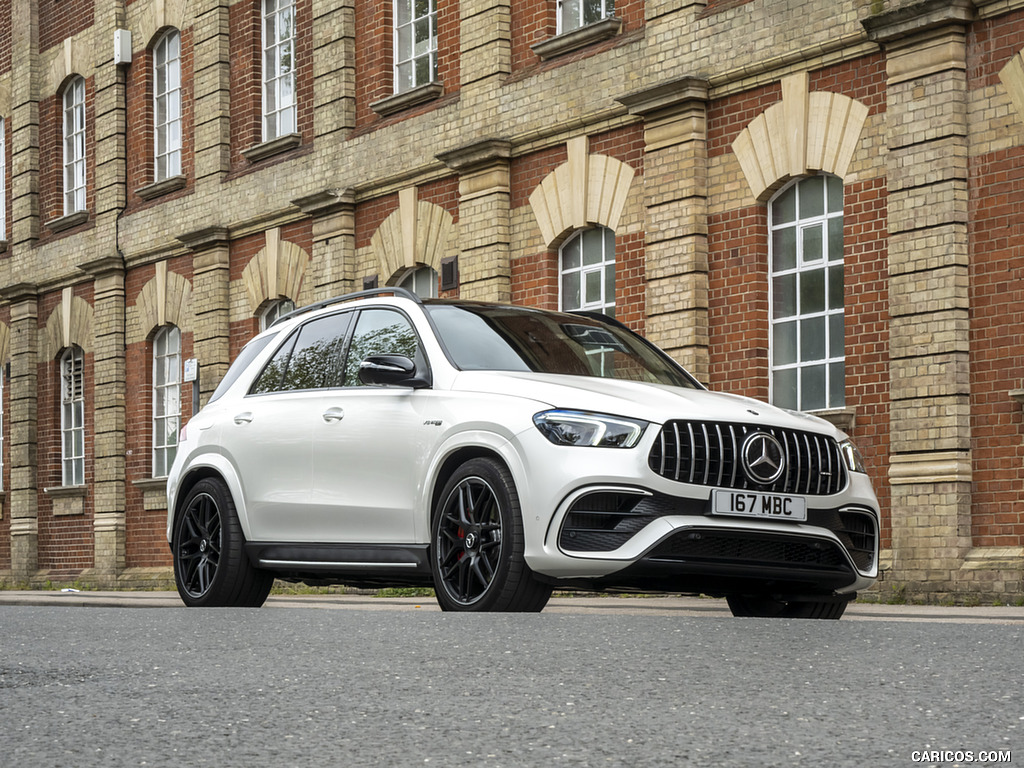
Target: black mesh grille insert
(750,549)
(709,453)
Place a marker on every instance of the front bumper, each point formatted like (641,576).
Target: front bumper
(620,525)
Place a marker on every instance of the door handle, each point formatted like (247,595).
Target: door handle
(334,414)
(244,418)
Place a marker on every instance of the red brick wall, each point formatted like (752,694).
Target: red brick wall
(246,77)
(145,530)
(375,59)
(65,541)
(534,22)
(738,276)
(51,154)
(996,232)
(60,19)
(140,140)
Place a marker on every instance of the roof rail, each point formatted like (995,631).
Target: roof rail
(392,290)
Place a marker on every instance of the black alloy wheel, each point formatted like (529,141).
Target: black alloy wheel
(477,544)
(211,568)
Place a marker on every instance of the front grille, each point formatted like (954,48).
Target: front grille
(743,548)
(709,453)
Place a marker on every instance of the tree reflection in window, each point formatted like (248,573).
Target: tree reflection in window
(310,359)
(379,332)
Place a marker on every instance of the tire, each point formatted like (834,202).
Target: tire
(211,568)
(760,606)
(477,544)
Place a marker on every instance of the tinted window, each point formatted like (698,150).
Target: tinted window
(237,368)
(311,358)
(380,332)
(496,338)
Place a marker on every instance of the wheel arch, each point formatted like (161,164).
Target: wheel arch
(452,462)
(217,468)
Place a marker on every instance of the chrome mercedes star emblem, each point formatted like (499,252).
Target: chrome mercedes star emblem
(763,458)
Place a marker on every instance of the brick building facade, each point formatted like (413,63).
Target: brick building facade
(815,203)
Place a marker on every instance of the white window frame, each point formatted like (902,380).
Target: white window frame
(596,246)
(415,61)
(280,113)
(797,354)
(275,310)
(73,100)
(72,416)
(574,14)
(420,280)
(167,106)
(166,397)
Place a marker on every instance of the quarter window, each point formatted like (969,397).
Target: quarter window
(74,146)
(806,252)
(573,14)
(166,398)
(167,106)
(279,113)
(587,266)
(415,43)
(72,416)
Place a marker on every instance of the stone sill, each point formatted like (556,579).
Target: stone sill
(67,499)
(67,222)
(163,187)
(844,418)
(411,98)
(993,558)
(577,38)
(1018,395)
(154,492)
(273,147)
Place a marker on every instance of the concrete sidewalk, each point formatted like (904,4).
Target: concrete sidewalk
(650,606)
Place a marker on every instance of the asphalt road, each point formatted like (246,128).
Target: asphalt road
(603,684)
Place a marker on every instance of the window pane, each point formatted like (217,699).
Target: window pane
(784,207)
(784,344)
(784,388)
(593,251)
(812,388)
(379,332)
(836,336)
(403,11)
(784,248)
(594,288)
(812,243)
(812,339)
(812,291)
(837,385)
(784,296)
(317,360)
(835,238)
(570,15)
(835,194)
(609,284)
(571,254)
(423,73)
(421,8)
(812,196)
(835,287)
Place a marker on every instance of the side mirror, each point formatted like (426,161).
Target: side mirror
(390,370)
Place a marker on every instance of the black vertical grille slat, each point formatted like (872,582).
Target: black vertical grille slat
(708,453)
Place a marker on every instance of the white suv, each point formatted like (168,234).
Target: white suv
(495,452)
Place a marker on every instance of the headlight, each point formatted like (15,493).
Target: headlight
(589,429)
(854,461)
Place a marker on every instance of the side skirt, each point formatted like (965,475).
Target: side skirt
(369,565)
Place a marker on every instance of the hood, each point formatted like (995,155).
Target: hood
(656,403)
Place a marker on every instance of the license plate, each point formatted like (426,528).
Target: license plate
(772,506)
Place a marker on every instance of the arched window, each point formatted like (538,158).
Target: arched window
(420,280)
(587,268)
(806,254)
(166,398)
(72,416)
(167,106)
(275,310)
(74,146)
(279,113)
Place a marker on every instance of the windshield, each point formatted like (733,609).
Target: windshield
(502,338)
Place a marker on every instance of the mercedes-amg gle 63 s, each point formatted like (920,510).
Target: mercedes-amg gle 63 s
(496,452)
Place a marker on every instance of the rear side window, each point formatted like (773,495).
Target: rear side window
(311,358)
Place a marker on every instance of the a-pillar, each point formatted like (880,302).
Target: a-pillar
(485,257)
(108,418)
(929,291)
(22,496)
(676,236)
(211,330)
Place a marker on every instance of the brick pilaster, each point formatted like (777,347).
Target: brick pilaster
(334,242)
(675,196)
(929,342)
(211,330)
